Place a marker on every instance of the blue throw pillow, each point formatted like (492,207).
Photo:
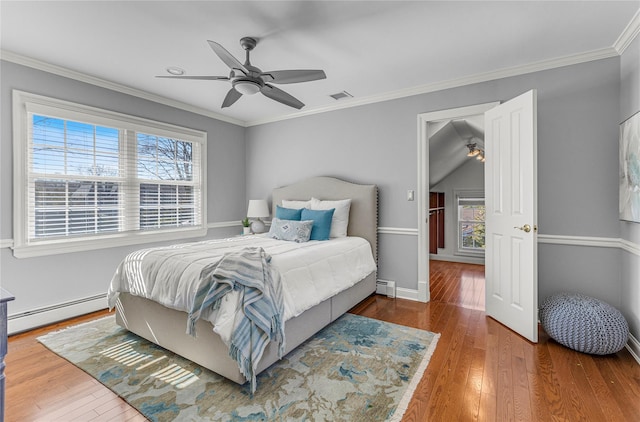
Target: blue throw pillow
(297,231)
(321,222)
(288,213)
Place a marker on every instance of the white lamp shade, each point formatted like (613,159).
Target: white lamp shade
(247,87)
(258,208)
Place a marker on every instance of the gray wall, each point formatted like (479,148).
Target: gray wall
(470,177)
(46,281)
(578,114)
(369,144)
(629,105)
(579,109)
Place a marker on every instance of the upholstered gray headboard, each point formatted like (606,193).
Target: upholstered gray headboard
(363,215)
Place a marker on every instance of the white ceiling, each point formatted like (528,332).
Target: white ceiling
(371,49)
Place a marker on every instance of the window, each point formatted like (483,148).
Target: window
(86,178)
(471,223)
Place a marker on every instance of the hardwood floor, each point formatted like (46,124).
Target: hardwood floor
(457,284)
(43,387)
(480,370)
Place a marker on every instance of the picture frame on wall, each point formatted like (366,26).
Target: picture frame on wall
(630,169)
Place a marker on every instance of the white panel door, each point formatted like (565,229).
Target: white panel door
(511,215)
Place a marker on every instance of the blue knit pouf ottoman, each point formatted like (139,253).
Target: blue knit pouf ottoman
(584,323)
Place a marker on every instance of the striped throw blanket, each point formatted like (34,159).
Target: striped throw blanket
(262,304)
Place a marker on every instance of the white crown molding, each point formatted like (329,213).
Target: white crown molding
(603,53)
(629,34)
(103,83)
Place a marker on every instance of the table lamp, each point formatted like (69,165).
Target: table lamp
(258,209)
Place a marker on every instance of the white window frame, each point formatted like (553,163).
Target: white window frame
(465,194)
(24,104)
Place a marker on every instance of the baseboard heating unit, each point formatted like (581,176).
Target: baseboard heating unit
(386,287)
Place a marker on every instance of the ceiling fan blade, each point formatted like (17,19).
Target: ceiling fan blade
(293,76)
(205,78)
(282,97)
(232,97)
(227,57)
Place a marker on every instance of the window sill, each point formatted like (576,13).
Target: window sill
(56,247)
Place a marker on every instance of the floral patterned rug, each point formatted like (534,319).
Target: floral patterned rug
(356,369)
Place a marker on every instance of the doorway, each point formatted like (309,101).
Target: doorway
(430,125)
(511,281)
(456,211)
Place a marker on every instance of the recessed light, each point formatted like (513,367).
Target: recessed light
(176,71)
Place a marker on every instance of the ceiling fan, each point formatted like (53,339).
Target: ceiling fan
(248,80)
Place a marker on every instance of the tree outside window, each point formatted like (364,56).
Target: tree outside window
(471,224)
(87,178)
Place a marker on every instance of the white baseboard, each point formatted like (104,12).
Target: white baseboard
(633,346)
(36,318)
(424,295)
(457,258)
(404,293)
(388,288)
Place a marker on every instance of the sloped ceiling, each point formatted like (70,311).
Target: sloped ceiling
(374,50)
(448,145)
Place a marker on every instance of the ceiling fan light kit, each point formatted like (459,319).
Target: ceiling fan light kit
(247,87)
(247,79)
(473,151)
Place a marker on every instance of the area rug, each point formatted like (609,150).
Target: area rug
(355,369)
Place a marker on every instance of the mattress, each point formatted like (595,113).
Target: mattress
(310,272)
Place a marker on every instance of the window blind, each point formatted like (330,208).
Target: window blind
(74,178)
(87,178)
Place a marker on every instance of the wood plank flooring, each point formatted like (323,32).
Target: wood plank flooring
(480,370)
(456,283)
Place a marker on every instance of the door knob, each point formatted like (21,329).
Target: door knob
(526,228)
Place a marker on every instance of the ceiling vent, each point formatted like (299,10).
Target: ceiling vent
(341,95)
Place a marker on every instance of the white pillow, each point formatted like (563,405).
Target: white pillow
(295,205)
(340,220)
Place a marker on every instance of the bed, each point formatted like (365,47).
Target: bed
(166,326)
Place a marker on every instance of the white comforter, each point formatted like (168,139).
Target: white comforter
(310,272)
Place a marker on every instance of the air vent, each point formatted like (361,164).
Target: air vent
(341,95)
